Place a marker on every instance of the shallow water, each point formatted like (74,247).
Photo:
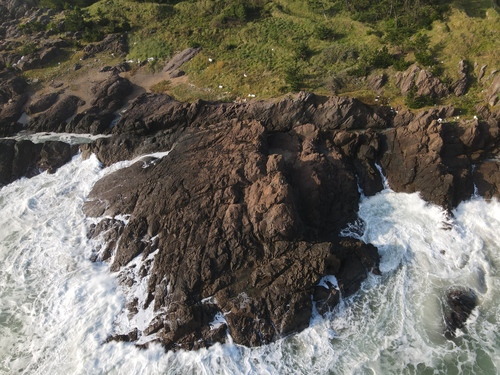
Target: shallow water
(57,308)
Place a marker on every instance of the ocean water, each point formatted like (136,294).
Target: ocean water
(57,308)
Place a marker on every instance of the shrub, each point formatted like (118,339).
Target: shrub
(28,48)
(380,58)
(302,51)
(323,32)
(339,52)
(400,64)
(414,101)
(293,77)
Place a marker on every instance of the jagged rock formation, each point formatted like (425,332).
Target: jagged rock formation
(251,199)
(26,159)
(460,86)
(252,217)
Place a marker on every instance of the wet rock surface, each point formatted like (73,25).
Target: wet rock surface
(27,159)
(458,306)
(245,212)
(247,223)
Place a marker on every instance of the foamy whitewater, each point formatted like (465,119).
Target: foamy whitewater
(58,308)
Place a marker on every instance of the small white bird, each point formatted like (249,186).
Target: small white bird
(210,60)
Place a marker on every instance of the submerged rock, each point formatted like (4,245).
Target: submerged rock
(459,305)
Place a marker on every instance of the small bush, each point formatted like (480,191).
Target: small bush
(92,35)
(400,64)
(380,59)
(302,51)
(28,49)
(339,53)
(323,32)
(293,77)
(414,101)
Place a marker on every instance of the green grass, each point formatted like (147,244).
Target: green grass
(254,45)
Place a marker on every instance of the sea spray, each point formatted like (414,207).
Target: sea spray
(58,308)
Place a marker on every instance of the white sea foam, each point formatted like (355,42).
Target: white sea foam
(71,138)
(58,308)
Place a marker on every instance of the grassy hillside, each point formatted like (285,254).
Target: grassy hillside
(268,48)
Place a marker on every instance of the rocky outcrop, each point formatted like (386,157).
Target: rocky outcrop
(180,59)
(428,85)
(421,81)
(57,116)
(109,96)
(435,157)
(112,43)
(493,92)
(43,103)
(157,120)
(405,81)
(27,159)
(262,203)
(249,228)
(12,100)
(17,8)
(460,302)
(461,86)
(376,82)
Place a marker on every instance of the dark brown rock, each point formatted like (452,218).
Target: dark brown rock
(493,92)
(405,81)
(43,103)
(376,82)
(428,157)
(10,114)
(487,179)
(57,116)
(110,94)
(460,86)
(91,121)
(153,114)
(251,220)
(460,302)
(112,43)
(428,85)
(27,159)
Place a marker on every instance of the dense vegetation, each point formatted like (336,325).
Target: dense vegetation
(266,48)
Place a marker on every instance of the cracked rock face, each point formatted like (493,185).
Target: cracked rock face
(242,224)
(238,228)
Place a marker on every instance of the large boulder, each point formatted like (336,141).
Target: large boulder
(110,94)
(239,222)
